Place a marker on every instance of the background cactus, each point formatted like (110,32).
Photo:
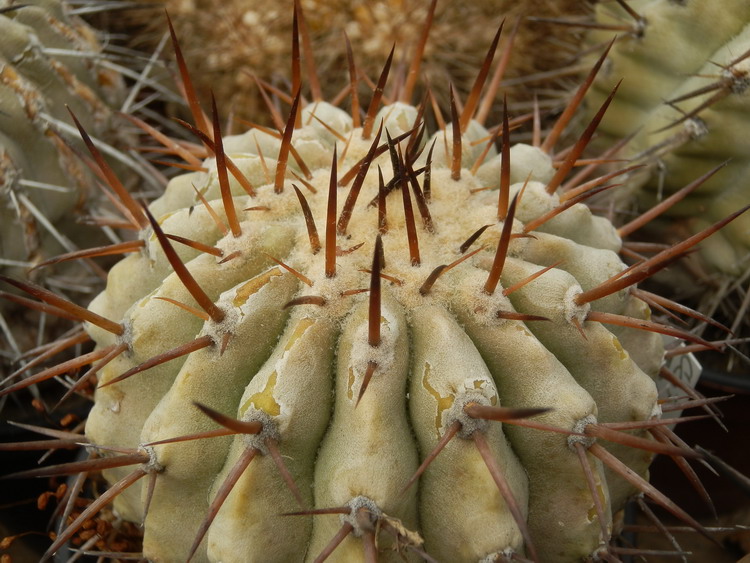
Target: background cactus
(684,95)
(684,100)
(48,63)
(228,44)
(53,63)
(344,359)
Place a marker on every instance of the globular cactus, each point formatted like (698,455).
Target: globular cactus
(426,376)
(685,68)
(439,345)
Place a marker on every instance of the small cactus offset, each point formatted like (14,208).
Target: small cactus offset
(345,338)
(685,68)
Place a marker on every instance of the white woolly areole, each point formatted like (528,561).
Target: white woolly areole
(151,247)
(231,244)
(370,517)
(152,465)
(504,555)
(580,428)
(469,425)
(232,317)
(383,354)
(485,306)
(269,430)
(573,310)
(127,334)
(695,127)
(738,76)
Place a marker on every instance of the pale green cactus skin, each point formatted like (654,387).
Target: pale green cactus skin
(681,47)
(35,82)
(299,370)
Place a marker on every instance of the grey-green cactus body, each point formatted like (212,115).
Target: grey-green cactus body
(300,370)
(685,96)
(49,62)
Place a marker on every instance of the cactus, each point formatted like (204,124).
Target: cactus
(236,40)
(38,81)
(685,72)
(53,63)
(428,376)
